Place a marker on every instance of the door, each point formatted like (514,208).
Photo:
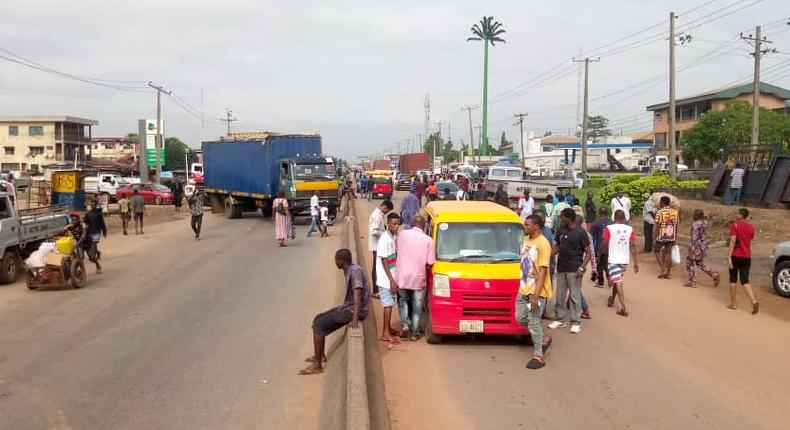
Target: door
(9,225)
(148,194)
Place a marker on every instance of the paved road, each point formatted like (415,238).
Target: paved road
(681,360)
(176,334)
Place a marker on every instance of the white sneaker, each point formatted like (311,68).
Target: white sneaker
(557,324)
(576,328)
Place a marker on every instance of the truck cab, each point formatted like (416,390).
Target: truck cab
(104,184)
(302,176)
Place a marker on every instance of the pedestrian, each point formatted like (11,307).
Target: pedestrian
(526,204)
(740,257)
(591,254)
(621,202)
(178,194)
(387,262)
(577,209)
(549,235)
(548,208)
(501,197)
(282,219)
(534,288)
(649,217)
(126,214)
(324,211)
(601,257)
(697,251)
(556,214)
(314,214)
(376,225)
(619,241)
(569,198)
(353,309)
(665,235)
(422,187)
(196,209)
(409,207)
(96,228)
(481,194)
(416,255)
(590,211)
(363,186)
(573,254)
(77,230)
(433,191)
(137,203)
(736,184)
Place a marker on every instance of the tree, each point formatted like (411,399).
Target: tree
(546,133)
(448,153)
(730,128)
(597,127)
(429,144)
(503,142)
(487,31)
(174,154)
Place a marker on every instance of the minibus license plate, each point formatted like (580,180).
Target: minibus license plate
(471,326)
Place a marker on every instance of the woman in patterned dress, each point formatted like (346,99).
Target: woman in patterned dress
(282,219)
(697,251)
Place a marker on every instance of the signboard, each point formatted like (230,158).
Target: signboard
(150,156)
(394,162)
(146,132)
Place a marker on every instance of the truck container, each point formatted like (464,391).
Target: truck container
(411,163)
(382,165)
(245,174)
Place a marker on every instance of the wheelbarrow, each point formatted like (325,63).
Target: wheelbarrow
(71,270)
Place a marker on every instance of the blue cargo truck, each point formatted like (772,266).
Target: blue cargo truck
(245,173)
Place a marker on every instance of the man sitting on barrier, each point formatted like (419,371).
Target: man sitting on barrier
(353,310)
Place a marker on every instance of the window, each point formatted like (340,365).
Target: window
(36,150)
(479,242)
(661,141)
(35,130)
(547,149)
(13,130)
(9,150)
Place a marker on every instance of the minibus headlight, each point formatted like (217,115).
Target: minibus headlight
(441,285)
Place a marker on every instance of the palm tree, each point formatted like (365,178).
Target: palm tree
(488,31)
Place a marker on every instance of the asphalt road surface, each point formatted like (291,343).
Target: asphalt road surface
(680,361)
(176,334)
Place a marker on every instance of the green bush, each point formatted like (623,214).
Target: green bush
(623,178)
(635,189)
(596,181)
(693,184)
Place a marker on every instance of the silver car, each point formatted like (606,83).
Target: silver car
(780,264)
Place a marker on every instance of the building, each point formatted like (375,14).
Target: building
(28,142)
(688,110)
(114,148)
(557,152)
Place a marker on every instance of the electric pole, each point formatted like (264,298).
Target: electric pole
(229,118)
(671,134)
(520,124)
(585,114)
(758,40)
(158,144)
(479,143)
(438,138)
(427,106)
(471,132)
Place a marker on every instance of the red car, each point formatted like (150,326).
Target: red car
(382,188)
(152,193)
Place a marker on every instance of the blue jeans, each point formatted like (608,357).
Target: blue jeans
(530,320)
(417,299)
(735,196)
(313,225)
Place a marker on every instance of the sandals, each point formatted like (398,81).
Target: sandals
(586,315)
(732,307)
(311,371)
(716,280)
(755,308)
(546,346)
(610,301)
(536,363)
(690,285)
(622,313)
(311,359)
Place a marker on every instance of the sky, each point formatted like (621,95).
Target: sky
(358,71)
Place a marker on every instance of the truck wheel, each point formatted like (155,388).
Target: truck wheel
(9,266)
(78,277)
(235,211)
(430,336)
(782,278)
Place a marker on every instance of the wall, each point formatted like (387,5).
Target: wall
(24,141)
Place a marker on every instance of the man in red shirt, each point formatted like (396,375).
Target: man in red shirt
(740,257)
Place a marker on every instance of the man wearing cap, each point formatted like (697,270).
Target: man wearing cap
(621,202)
(649,217)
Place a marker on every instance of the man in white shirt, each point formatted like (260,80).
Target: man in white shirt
(525,205)
(736,184)
(386,262)
(315,212)
(376,226)
(621,202)
(649,218)
(618,241)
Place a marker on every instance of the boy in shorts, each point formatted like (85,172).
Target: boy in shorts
(619,245)
(386,262)
(740,258)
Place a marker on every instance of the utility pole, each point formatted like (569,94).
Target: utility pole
(438,138)
(427,106)
(671,135)
(758,40)
(229,118)
(158,144)
(471,132)
(520,124)
(585,114)
(479,143)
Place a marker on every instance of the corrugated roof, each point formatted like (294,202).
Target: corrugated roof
(726,93)
(558,139)
(48,118)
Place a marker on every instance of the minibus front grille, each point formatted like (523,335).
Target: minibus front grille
(486,312)
(488,297)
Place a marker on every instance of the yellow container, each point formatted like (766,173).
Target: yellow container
(65,245)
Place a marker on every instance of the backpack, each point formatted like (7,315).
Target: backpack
(280,208)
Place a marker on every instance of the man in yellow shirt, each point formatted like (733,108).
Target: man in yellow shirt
(535,288)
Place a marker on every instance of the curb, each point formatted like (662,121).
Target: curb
(357,411)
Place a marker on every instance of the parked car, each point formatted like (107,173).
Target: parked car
(780,266)
(152,193)
(441,186)
(404,182)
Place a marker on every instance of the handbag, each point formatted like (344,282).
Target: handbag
(676,254)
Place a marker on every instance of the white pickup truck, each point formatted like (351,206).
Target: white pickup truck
(105,183)
(515,180)
(21,232)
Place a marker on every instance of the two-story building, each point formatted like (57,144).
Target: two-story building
(28,142)
(114,148)
(688,110)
